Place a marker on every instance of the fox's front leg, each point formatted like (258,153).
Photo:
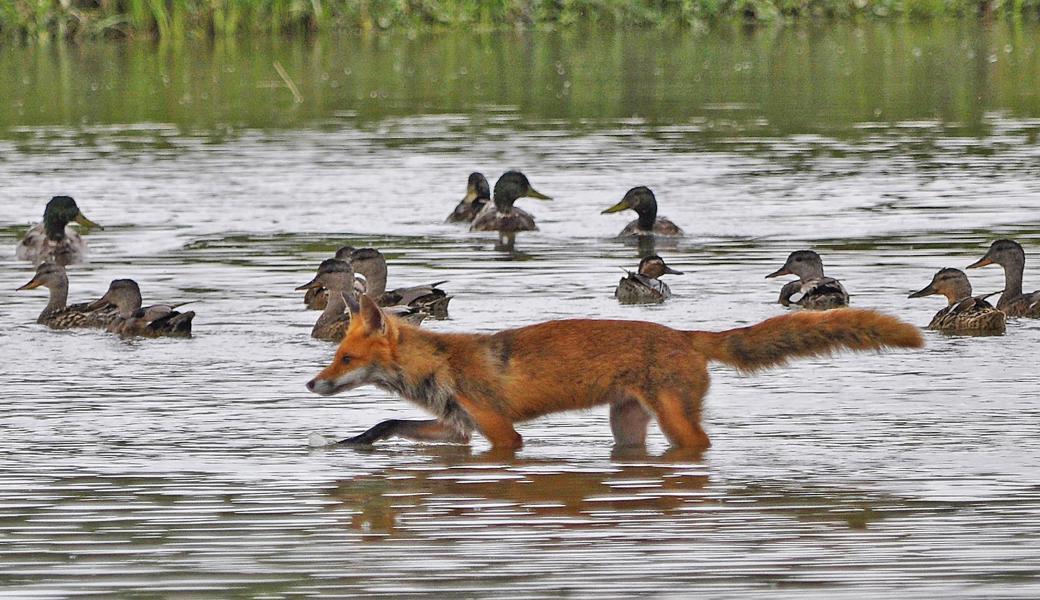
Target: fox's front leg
(432,430)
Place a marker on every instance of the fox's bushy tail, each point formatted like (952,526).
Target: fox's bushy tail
(776,341)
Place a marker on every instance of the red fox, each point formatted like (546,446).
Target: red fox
(488,382)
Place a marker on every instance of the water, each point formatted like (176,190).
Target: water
(181,467)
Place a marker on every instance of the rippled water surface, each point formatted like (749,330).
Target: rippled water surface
(181,467)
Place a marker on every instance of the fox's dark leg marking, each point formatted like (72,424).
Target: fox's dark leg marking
(628,423)
(432,430)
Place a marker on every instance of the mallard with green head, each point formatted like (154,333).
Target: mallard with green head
(645,286)
(642,200)
(478,195)
(501,215)
(54,240)
(818,292)
(158,320)
(1010,255)
(371,264)
(58,314)
(964,313)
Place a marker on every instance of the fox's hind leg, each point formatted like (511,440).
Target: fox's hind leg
(432,430)
(628,423)
(679,415)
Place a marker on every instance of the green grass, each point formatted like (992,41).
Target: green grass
(71,19)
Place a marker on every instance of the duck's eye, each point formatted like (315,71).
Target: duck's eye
(346,360)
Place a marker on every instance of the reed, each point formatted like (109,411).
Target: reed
(70,19)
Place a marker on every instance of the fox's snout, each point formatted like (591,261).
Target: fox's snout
(321,386)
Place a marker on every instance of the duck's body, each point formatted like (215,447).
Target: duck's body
(818,292)
(643,201)
(644,286)
(133,320)
(54,240)
(429,299)
(964,313)
(58,314)
(478,196)
(500,215)
(1013,301)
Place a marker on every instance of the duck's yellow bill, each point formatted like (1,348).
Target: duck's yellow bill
(533,193)
(313,283)
(982,262)
(620,206)
(35,283)
(781,271)
(84,221)
(927,291)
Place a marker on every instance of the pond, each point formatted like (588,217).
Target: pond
(182,467)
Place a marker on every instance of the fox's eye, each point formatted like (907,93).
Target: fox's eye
(346,360)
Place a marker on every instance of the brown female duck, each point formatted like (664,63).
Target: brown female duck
(642,200)
(818,292)
(371,264)
(317,297)
(645,286)
(54,240)
(478,195)
(158,320)
(964,313)
(58,314)
(1010,255)
(501,215)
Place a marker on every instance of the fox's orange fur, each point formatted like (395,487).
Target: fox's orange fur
(488,382)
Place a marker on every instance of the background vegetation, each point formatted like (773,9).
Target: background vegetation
(47,19)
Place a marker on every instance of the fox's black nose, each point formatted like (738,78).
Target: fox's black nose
(310,385)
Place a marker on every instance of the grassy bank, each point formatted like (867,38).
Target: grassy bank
(47,19)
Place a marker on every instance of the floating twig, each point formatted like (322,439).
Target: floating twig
(288,82)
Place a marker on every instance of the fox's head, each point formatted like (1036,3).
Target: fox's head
(365,353)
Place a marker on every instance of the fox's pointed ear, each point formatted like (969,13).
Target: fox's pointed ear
(371,315)
(352,304)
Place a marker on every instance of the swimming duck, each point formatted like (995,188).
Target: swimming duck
(818,291)
(1012,257)
(964,312)
(642,200)
(371,264)
(317,297)
(501,215)
(58,315)
(54,240)
(336,277)
(644,287)
(478,195)
(158,320)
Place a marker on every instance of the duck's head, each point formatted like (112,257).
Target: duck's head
(60,211)
(654,267)
(806,264)
(1005,253)
(344,253)
(512,185)
(952,283)
(124,294)
(333,274)
(476,188)
(48,275)
(639,199)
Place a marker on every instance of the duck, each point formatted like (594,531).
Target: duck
(158,320)
(54,240)
(478,195)
(338,279)
(500,215)
(644,286)
(818,292)
(317,297)
(964,313)
(642,200)
(371,264)
(1010,255)
(58,314)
